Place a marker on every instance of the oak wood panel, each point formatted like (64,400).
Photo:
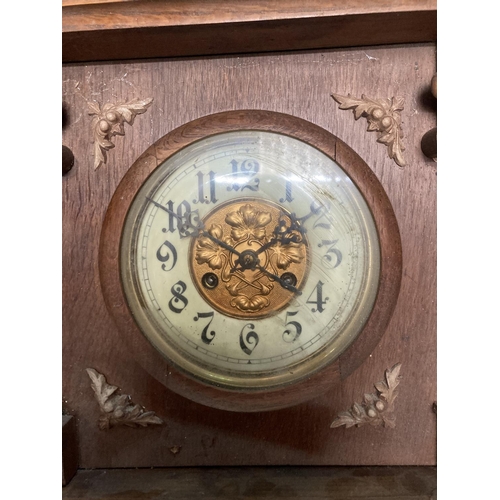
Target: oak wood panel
(298,84)
(132,30)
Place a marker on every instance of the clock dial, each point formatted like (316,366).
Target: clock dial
(250,259)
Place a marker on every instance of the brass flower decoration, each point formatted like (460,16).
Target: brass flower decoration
(248,252)
(248,224)
(383,117)
(288,253)
(250,304)
(209,252)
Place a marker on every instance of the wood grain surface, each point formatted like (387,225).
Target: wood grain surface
(299,84)
(252,483)
(100,31)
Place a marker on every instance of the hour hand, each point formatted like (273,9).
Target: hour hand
(221,243)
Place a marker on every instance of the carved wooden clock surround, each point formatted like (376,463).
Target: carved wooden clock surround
(390,249)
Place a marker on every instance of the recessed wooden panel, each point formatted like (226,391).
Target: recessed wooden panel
(298,84)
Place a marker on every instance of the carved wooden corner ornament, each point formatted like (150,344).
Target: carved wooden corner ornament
(118,409)
(383,117)
(376,408)
(109,121)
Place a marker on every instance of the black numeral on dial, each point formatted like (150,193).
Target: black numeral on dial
(206,336)
(294,328)
(201,188)
(248,341)
(165,253)
(331,249)
(244,175)
(288,192)
(178,302)
(318,301)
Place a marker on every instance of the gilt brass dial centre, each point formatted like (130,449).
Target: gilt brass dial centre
(256,252)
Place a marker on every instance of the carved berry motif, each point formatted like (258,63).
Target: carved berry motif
(109,121)
(376,408)
(383,117)
(118,409)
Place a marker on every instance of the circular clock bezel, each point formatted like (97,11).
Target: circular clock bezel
(257,399)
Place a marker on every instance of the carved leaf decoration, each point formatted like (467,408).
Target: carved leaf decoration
(117,409)
(108,122)
(94,108)
(360,107)
(376,408)
(382,388)
(369,398)
(383,116)
(344,418)
(102,390)
(397,104)
(395,150)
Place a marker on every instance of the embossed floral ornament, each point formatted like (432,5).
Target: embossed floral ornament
(251,304)
(109,121)
(383,117)
(376,408)
(209,252)
(247,223)
(248,252)
(288,253)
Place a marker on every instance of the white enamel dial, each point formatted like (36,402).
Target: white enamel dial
(249,259)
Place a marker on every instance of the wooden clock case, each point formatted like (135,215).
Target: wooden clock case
(188,79)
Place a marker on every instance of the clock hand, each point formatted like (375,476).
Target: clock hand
(164,208)
(281,239)
(221,243)
(280,236)
(184,221)
(282,282)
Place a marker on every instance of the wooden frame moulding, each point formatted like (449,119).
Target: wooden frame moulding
(99,30)
(390,249)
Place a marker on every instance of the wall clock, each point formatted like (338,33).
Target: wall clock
(250,259)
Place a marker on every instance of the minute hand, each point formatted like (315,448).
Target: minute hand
(185,226)
(282,282)
(283,240)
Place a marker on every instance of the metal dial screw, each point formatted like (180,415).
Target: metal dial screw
(210,281)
